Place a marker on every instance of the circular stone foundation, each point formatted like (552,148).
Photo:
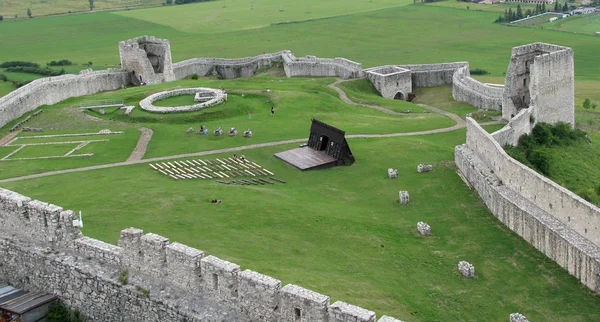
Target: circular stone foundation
(205,96)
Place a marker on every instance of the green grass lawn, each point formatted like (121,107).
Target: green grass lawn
(117,149)
(181,100)
(44,151)
(441,97)
(6,87)
(293,231)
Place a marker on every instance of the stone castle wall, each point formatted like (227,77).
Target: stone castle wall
(42,250)
(557,222)
(467,89)
(51,90)
(311,66)
(430,75)
(226,68)
(391,81)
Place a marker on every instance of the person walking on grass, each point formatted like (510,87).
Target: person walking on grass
(272,110)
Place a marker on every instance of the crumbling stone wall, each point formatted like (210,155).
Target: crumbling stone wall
(226,68)
(467,89)
(557,222)
(51,90)
(216,96)
(147,57)
(42,250)
(391,81)
(320,67)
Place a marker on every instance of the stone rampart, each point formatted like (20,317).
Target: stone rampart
(467,89)
(51,90)
(226,68)
(148,59)
(311,66)
(429,75)
(145,277)
(554,220)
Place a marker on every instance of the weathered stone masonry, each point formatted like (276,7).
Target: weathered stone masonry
(554,220)
(42,250)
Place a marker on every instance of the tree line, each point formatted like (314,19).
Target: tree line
(510,15)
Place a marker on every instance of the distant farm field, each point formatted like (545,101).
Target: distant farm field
(582,24)
(11,8)
(409,34)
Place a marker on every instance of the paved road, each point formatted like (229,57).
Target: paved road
(460,123)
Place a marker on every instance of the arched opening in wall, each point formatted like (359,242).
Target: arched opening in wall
(399,96)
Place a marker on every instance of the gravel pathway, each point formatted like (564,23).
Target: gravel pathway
(142,145)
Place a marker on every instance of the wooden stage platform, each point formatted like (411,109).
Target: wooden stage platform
(307,158)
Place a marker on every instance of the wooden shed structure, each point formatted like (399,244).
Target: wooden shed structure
(326,147)
(23,306)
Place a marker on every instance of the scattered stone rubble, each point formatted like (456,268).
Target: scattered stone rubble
(466,269)
(518,317)
(424,168)
(423,228)
(404,198)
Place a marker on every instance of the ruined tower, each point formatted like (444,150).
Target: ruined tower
(148,59)
(540,76)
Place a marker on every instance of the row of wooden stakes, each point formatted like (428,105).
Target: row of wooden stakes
(218,169)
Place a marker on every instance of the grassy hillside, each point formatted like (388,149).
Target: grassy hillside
(10,8)
(430,34)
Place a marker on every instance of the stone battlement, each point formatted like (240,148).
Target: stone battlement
(153,264)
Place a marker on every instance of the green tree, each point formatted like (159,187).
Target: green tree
(1,18)
(170,2)
(519,12)
(555,6)
(543,7)
(91,4)
(587,103)
(29,13)
(565,8)
(511,15)
(593,106)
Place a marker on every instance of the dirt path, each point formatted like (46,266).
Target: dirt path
(9,137)
(142,145)
(137,155)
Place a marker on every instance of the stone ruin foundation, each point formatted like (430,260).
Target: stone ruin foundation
(424,168)
(423,228)
(518,317)
(404,197)
(466,269)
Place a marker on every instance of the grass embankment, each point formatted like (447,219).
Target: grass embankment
(296,102)
(341,231)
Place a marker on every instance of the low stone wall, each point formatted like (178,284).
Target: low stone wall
(165,281)
(51,90)
(226,68)
(220,96)
(430,75)
(467,89)
(554,220)
(311,66)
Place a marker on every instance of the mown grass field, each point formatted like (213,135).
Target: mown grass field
(339,231)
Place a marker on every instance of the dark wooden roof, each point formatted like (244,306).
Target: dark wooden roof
(19,302)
